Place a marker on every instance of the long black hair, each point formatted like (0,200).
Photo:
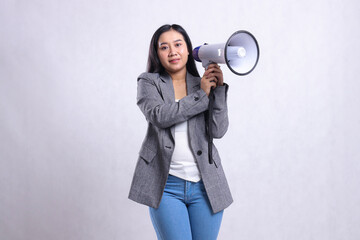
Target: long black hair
(154,65)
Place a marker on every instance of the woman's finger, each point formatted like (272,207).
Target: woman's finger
(212,79)
(213,65)
(213,70)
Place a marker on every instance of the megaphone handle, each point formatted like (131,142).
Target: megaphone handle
(206,63)
(209,123)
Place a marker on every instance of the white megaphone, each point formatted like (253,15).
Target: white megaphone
(240,53)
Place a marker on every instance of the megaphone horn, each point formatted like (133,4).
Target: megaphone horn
(240,53)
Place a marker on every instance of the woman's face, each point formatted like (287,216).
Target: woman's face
(172,51)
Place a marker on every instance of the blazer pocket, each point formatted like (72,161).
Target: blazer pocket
(147,154)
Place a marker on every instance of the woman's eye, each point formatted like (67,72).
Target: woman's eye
(178,44)
(163,48)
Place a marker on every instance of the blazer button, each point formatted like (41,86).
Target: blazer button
(199,153)
(196,98)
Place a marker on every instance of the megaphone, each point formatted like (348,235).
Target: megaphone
(240,53)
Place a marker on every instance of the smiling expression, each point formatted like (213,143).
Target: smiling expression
(172,51)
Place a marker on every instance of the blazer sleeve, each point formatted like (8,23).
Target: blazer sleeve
(163,115)
(220,112)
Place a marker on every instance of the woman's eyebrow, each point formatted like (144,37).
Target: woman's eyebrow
(164,43)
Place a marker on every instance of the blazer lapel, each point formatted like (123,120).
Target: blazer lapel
(167,88)
(193,84)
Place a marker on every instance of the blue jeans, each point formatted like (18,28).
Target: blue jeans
(185,213)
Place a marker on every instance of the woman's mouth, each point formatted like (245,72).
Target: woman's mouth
(176,60)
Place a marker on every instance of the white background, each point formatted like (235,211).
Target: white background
(70,129)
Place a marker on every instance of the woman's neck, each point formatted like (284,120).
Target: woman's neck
(178,76)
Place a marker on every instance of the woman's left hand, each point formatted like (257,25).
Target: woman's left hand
(215,71)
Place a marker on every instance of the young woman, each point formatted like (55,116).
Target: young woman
(186,194)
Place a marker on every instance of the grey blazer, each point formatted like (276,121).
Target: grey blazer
(156,99)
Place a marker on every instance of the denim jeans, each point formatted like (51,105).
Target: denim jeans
(185,213)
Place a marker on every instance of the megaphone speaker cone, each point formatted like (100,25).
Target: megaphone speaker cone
(241,52)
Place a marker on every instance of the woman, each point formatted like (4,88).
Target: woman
(186,194)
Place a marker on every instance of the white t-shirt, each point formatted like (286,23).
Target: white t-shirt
(183,163)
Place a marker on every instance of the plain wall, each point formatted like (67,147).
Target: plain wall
(70,129)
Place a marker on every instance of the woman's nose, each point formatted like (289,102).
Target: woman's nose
(172,52)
